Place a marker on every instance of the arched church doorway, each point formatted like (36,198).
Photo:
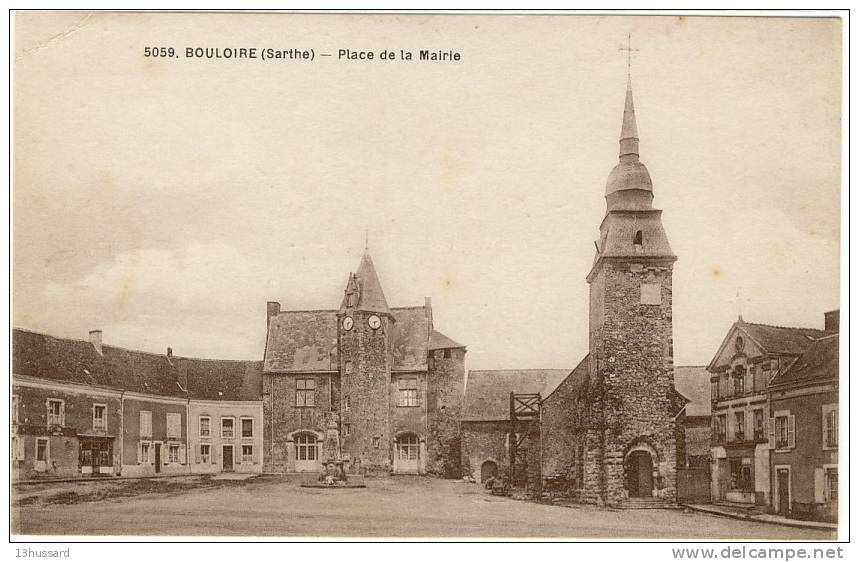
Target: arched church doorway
(639,474)
(488,469)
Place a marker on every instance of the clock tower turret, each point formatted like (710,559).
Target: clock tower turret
(364,328)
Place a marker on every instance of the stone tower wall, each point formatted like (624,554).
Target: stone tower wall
(445,394)
(367,386)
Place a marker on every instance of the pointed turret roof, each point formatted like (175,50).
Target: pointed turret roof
(629,129)
(370,297)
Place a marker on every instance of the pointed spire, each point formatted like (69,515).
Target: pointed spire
(629,129)
(364,291)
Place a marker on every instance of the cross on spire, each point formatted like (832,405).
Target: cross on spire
(629,50)
(366,239)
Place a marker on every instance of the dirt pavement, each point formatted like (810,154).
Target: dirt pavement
(388,507)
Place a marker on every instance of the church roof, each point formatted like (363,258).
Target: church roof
(693,383)
(77,361)
(487,393)
(306,340)
(819,361)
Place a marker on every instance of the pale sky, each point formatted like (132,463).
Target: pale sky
(165,201)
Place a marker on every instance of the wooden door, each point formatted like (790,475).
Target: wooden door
(157,447)
(645,475)
(406,455)
(228,458)
(783,491)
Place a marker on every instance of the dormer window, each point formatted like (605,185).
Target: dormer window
(637,240)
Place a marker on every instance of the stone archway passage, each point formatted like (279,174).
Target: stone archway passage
(639,474)
(488,469)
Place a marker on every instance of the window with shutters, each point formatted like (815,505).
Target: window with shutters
(739,381)
(174,426)
(721,428)
(830,426)
(173,454)
(145,452)
(205,453)
(247,454)
(305,393)
(145,423)
(784,431)
(227,428)
(759,425)
(247,427)
(99,417)
(739,426)
(205,426)
(56,412)
(408,392)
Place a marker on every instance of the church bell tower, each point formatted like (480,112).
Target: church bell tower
(631,438)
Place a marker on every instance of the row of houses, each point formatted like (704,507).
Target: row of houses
(774,437)
(80,408)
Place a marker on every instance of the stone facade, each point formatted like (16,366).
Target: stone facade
(390,383)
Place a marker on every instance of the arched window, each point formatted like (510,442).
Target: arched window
(637,240)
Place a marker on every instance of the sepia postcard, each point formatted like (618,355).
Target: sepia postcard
(414,275)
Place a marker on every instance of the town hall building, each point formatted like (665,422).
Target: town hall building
(384,377)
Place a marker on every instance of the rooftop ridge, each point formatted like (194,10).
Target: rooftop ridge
(782,327)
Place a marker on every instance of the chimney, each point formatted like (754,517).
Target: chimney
(272,309)
(95,340)
(428,310)
(832,320)
(169,353)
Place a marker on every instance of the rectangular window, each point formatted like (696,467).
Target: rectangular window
(227,428)
(722,428)
(784,431)
(205,426)
(173,454)
(56,412)
(99,416)
(377,441)
(714,389)
(247,427)
(830,426)
(145,423)
(205,453)
(408,392)
(726,388)
(42,449)
(739,384)
(832,484)
(305,393)
(346,403)
(347,429)
(14,409)
(247,454)
(739,426)
(759,424)
(144,452)
(174,426)
(760,378)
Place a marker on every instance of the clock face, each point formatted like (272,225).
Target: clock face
(374,322)
(347,323)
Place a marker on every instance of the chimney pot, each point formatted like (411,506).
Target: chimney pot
(95,340)
(169,352)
